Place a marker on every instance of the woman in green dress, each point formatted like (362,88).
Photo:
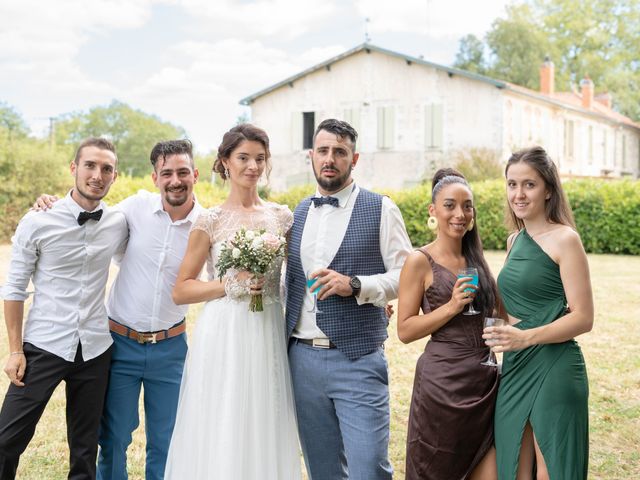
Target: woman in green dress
(541,419)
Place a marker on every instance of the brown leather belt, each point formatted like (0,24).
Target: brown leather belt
(147,337)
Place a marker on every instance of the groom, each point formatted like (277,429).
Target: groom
(353,243)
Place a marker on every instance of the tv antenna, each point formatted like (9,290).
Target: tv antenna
(367,37)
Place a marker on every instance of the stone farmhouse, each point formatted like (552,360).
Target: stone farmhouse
(413,115)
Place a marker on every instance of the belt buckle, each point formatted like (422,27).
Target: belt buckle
(321,343)
(147,338)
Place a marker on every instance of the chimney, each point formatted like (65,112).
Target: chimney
(547,81)
(586,88)
(604,99)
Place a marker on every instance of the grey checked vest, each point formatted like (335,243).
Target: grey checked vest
(355,329)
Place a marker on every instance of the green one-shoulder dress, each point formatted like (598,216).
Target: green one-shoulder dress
(545,385)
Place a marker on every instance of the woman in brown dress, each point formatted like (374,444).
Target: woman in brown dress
(450,433)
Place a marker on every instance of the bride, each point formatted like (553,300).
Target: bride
(236,416)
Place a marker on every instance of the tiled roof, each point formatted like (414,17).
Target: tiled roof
(574,101)
(571,100)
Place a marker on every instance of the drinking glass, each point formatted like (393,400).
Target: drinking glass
(310,282)
(491,322)
(472,273)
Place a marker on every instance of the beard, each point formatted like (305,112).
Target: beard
(176,197)
(334,184)
(90,196)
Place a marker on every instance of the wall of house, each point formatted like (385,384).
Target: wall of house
(579,143)
(411,118)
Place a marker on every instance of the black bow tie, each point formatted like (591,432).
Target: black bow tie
(319,201)
(84,216)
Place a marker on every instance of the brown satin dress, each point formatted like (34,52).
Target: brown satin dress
(452,406)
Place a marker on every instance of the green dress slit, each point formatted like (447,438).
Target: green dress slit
(545,385)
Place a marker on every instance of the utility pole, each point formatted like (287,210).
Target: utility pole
(52,126)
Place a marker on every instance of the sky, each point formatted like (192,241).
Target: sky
(190,61)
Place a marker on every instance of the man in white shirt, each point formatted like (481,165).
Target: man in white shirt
(66,253)
(148,328)
(353,243)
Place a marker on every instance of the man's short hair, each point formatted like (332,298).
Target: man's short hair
(340,128)
(171,147)
(99,142)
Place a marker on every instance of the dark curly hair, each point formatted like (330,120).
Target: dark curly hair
(171,147)
(340,128)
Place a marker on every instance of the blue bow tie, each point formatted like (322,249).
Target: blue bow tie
(319,201)
(85,216)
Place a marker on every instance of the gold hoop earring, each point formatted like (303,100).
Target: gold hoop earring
(471,225)
(432,224)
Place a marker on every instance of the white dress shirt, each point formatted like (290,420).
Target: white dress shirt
(140,296)
(322,236)
(69,265)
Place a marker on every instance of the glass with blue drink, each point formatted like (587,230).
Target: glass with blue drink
(310,282)
(470,272)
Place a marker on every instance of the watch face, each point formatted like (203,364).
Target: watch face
(355,282)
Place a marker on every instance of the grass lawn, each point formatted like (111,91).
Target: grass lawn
(612,354)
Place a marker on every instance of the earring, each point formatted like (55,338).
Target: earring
(226,172)
(432,223)
(471,225)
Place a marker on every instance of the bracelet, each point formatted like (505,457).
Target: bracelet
(17,353)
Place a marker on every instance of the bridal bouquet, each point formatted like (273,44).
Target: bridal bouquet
(253,251)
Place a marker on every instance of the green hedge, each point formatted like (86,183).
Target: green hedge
(607,212)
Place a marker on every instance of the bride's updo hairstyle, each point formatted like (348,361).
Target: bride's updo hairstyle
(233,138)
(471,243)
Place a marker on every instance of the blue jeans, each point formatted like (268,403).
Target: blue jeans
(159,368)
(343,413)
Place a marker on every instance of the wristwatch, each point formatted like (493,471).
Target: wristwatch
(355,285)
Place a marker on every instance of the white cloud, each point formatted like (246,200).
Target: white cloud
(225,50)
(437,18)
(203,96)
(262,18)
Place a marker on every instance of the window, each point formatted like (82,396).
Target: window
(433,133)
(308,127)
(386,127)
(590,145)
(352,117)
(568,139)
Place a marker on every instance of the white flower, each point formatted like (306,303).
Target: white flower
(249,235)
(235,253)
(257,243)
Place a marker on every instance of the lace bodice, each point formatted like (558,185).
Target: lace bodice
(221,224)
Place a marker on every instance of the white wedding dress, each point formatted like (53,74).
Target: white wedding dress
(236,416)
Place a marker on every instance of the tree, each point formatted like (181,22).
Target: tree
(470,55)
(518,47)
(598,39)
(11,123)
(133,132)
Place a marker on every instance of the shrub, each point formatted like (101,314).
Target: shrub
(478,163)
(607,212)
(27,169)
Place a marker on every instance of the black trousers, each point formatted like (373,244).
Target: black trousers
(86,384)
